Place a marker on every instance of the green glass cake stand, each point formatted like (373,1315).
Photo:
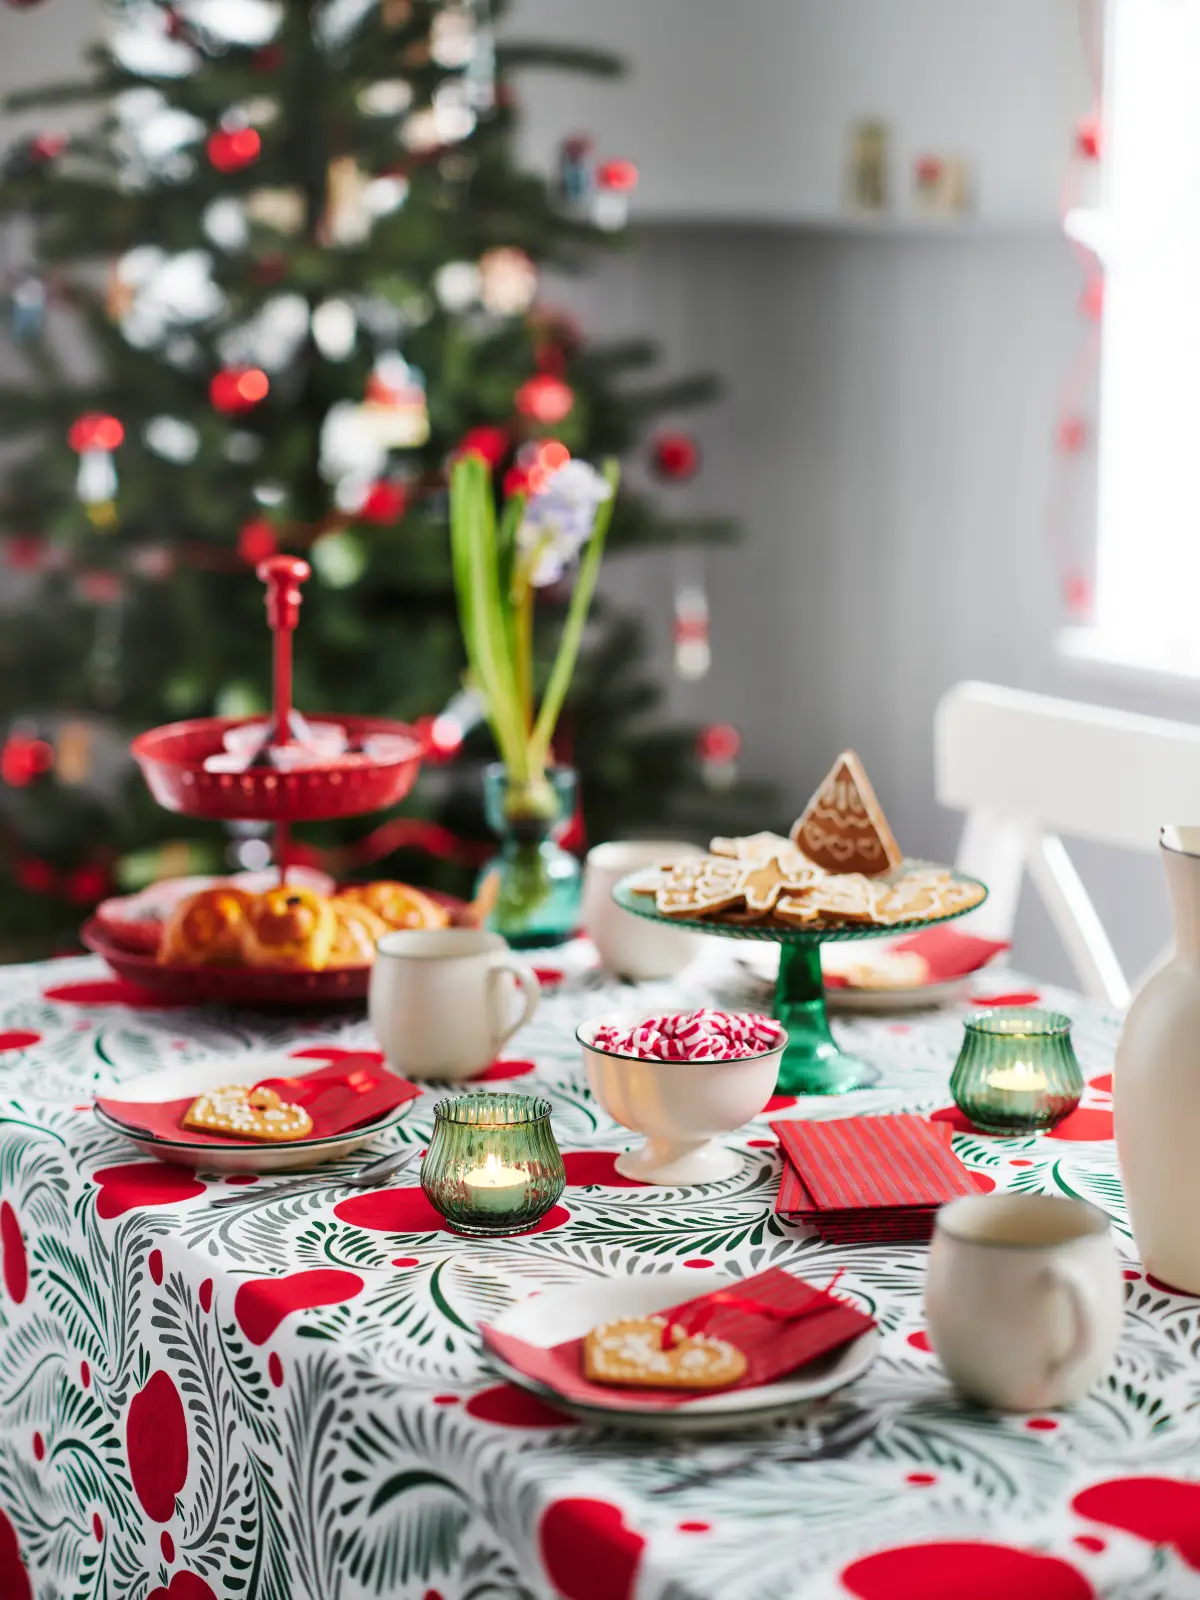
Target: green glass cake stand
(812,1063)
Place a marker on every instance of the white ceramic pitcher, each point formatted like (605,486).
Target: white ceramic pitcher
(1156,1086)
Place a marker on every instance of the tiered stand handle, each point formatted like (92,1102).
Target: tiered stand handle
(812,1062)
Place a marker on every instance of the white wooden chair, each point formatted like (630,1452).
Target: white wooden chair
(1026,768)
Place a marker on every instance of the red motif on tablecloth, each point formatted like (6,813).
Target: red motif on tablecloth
(501,1070)
(409,1211)
(156,1443)
(154,1265)
(1160,1510)
(205,1295)
(109,992)
(1086,1123)
(510,1407)
(18,1038)
(779,1102)
(261,1304)
(1103,1083)
(183,1586)
(920,1341)
(14,1580)
(971,1570)
(167,1545)
(12,1247)
(143,1183)
(597,1166)
(588,1551)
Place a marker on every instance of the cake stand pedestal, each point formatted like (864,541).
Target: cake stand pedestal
(812,1062)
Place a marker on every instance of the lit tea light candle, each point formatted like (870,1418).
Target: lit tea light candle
(1021,1078)
(495,1188)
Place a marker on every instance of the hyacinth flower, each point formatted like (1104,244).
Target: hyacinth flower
(499,565)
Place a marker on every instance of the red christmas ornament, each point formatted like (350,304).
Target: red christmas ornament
(1077,594)
(38,877)
(95,431)
(619,175)
(98,588)
(231,149)
(487,440)
(45,147)
(22,760)
(24,552)
(269,59)
(1091,301)
(86,885)
(719,743)
(237,389)
(386,502)
(269,269)
(1089,138)
(1071,435)
(676,456)
(544,399)
(256,541)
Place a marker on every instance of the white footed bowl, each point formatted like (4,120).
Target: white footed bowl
(681,1107)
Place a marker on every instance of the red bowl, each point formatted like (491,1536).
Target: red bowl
(172,761)
(243,986)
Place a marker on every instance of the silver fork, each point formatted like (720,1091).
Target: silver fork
(817,1444)
(377,1171)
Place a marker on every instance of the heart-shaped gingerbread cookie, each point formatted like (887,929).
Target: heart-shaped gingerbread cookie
(639,1352)
(248,1114)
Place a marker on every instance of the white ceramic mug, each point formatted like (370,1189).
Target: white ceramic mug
(444,1001)
(628,945)
(1023,1298)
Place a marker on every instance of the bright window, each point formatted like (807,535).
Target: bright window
(1148,559)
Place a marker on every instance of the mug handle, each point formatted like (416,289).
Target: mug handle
(531,992)
(1068,1280)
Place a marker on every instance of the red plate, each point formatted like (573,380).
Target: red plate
(244,986)
(172,761)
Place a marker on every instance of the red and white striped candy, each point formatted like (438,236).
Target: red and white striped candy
(703,1035)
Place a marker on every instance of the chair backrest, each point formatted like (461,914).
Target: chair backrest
(1026,768)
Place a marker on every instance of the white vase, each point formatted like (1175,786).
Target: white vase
(1156,1087)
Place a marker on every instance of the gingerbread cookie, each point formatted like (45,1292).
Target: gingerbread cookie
(924,897)
(843,828)
(640,1352)
(248,1114)
(756,847)
(763,882)
(700,887)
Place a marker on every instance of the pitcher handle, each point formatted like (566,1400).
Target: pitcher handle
(530,990)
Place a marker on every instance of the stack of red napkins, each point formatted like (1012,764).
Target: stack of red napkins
(777,1321)
(862,1179)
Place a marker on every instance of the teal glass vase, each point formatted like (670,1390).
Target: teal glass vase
(1016,1072)
(540,882)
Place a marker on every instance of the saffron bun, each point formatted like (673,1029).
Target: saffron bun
(357,932)
(290,927)
(399,904)
(207,928)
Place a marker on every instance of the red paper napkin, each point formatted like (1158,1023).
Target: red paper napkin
(778,1321)
(948,952)
(346,1094)
(861,1179)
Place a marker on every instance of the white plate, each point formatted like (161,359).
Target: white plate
(547,1319)
(194,1077)
(763,961)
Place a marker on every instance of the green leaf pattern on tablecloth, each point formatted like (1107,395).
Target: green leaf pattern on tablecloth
(340,1457)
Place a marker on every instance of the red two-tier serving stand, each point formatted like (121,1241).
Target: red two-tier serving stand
(377,768)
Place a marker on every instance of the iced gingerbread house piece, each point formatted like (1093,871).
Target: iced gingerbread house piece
(843,828)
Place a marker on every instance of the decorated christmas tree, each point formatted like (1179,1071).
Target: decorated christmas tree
(289,274)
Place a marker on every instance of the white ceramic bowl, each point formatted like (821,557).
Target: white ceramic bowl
(682,1107)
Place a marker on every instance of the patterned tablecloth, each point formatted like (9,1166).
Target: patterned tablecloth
(284,1400)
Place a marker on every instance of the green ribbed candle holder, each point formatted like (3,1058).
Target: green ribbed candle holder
(492,1166)
(1016,1072)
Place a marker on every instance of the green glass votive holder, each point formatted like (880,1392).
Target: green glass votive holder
(1016,1072)
(492,1166)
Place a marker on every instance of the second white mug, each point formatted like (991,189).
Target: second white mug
(444,1001)
(1024,1298)
(631,946)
